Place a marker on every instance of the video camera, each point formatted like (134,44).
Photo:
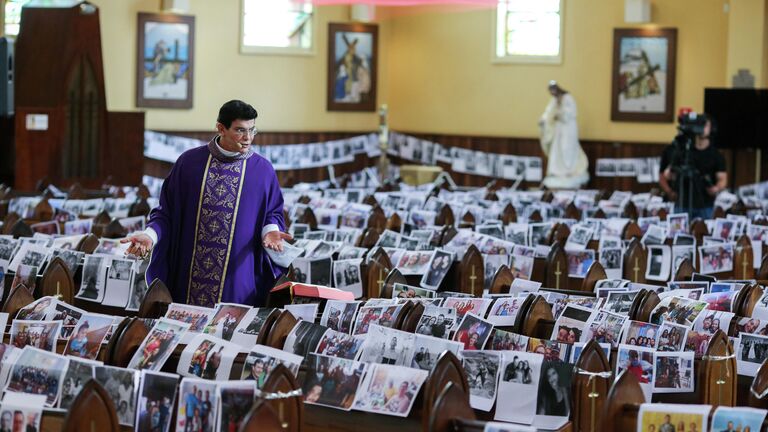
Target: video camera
(690,122)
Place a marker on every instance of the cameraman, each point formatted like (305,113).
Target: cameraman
(706,167)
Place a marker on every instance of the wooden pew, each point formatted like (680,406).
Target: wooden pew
(470,274)
(156,301)
(625,392)
(58,281)
(589,387)
(502,280)
(374,272)
(635,260)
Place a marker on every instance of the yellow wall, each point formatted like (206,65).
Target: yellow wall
(746,41)
(288,91)
(442,79)
(435,70)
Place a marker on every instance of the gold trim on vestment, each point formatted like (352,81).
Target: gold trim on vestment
(232,230)
(197,223)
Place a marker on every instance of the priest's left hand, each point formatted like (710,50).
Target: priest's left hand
(274,240)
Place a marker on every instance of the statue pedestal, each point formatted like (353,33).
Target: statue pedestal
(574,182)
(415,175)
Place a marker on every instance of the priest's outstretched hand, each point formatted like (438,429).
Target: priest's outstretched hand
(140,246)
(274,240)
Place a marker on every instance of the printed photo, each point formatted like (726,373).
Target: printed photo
(482,370)
(387,346)
(38,372)
(518,386)
(752,353)
(78,374)
(506,341)
(197,405)
(554,395)
(235,400)
(157,396)
(88,335)
(732,419)
(436,321)
(428,350)
(304,338)
(389,390)
(197,317)
(332,381)
(207,357)
(225,320)
(671,337)
(438,267)
(673,372)
(473,332)
(716,258)
(571,324)
(37,334)
(339,315)
(641,334)
(579,262)
(263,359)
(158,345)
(337,344)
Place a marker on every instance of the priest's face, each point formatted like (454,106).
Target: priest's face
(238,137)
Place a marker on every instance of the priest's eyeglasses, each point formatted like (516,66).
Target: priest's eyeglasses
(242,131)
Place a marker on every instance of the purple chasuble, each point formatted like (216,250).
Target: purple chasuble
(209,221)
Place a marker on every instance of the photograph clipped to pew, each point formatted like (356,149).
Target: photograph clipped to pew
(347,276)
(198,405)
(678,310)
(473,332)
(387,346)
(737,419)
(261,360)
(428,350)
(38,372)
(438,267)
(483,370)
(467,305)
(518,386)
(504,310)
(673,372)
(638,361)
(332,381)
(304,338)
(225,320)
(339,315)
(673,417)
(571,324)
(402,291)
(235,399)
(717,258)
(507,341)
(207,357)
(753,351)
(247,330)
(642,334)
(389,390)
(157,396)
(37,334)
(383,315)
(79,372)
(303,311)
(88,335)
(158,345)
(21,412)
(337,344)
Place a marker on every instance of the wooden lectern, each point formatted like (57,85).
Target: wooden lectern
(63,129)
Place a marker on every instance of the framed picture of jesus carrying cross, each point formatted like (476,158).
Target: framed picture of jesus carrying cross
(644,75)
(164,66)
(352,62)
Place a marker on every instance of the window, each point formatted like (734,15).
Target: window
(12,16)
(529,31)
(277,26)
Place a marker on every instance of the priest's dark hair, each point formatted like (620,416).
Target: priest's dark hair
(235,110)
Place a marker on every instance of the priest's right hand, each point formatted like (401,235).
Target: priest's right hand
(140,245)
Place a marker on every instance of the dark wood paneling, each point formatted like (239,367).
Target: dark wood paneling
(7,152)
(124,152)
(744,172)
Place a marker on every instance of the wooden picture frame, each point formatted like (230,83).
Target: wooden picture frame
(165,60)
(352,46)
(644,67)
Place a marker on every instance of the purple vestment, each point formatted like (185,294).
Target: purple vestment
(209,221)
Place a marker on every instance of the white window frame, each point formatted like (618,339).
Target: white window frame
(267,50)
(526,59)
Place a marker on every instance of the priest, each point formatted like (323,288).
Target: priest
(220,208)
